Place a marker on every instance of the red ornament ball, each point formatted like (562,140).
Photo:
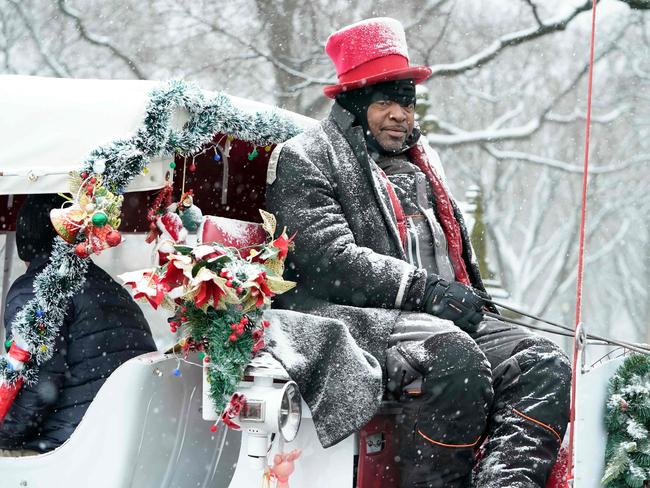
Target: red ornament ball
(82,250)
(113,238)
(213,428)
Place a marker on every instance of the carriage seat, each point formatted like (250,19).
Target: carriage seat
(143,429)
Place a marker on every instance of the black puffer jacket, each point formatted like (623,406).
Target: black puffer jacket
(103,328)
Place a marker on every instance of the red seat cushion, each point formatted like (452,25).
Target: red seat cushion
(230,232)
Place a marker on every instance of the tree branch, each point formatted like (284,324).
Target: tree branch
(564,166)
(508,40)
(458,137)
(99,40)
(309,80)
(533,7)
(57,68)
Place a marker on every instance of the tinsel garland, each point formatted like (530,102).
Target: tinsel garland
(627,454)
(37,324)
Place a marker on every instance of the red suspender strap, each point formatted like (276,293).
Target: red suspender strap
(444,212)
(397,209)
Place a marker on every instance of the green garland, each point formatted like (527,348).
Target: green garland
(225,373)
(37,325)
(628,425)
(218,295)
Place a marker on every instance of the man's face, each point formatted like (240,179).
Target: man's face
(391,123)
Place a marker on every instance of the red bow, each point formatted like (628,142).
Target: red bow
(232,410)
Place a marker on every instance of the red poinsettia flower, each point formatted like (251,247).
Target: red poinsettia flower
(208,291)
(282,244)
(148,285)
(174,276)
(261,290)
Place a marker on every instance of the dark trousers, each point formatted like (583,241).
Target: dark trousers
(501,383)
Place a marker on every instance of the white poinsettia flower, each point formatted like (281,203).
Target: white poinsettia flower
(181,262)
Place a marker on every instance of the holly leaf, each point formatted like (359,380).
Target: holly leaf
(184,250)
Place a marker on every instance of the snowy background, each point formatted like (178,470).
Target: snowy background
(505,108)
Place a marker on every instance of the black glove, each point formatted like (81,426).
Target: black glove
(453,301)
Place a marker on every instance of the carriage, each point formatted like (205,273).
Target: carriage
(149,425)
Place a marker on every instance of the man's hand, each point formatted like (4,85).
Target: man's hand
(453,301)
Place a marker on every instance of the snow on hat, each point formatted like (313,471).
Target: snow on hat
(369,52)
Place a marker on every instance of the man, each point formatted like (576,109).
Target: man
(382,247)
(102,329)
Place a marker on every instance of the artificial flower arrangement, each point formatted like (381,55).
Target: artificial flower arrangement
(218,295)
(92,211)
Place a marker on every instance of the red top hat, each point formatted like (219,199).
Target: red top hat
(369,52)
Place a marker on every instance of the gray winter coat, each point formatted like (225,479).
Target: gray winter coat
(350,268)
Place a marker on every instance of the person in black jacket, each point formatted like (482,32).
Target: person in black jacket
(103,328)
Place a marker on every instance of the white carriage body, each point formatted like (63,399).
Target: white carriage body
(145,429)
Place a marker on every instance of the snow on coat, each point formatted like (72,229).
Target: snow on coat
(351,271)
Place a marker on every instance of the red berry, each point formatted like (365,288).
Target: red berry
(84,175)
(232,337)
(183,309)
(93,180)
(244,320)
(265,323)
(229,283)
(239,290)
(113,238)
(192,168)
(234,326)
(82,250)
(223,273)
(213,428)
(183,319)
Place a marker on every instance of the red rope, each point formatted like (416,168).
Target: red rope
(581,252)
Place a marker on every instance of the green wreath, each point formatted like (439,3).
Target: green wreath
(627,454)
